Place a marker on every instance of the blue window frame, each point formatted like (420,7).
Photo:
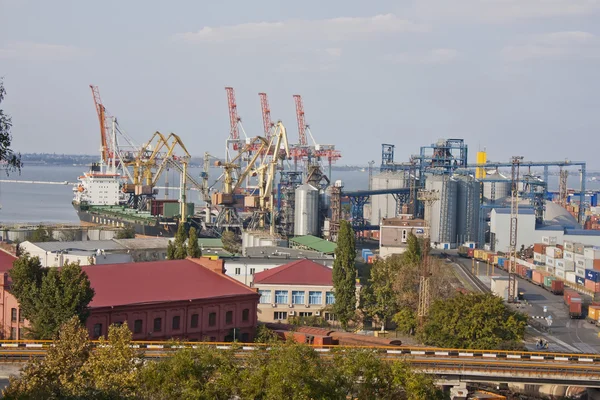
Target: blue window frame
(281,297)
(265,296)
(329,298)
(315,297)
(298,297)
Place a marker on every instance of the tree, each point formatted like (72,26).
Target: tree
(170,250)
(406,320)
(50,297)
(41,234)
(8,156)
(479,321)
(230,242)
(379,298)
(412,255)
(177,249)
(193,250)
(344,275)
(126,233)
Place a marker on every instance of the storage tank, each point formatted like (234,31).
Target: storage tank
(384,205)
(306,216)
(467,209)
(441,216)
(495,186)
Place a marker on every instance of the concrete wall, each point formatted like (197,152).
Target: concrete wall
(500,225)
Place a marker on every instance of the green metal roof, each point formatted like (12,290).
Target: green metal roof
(315,243)
(209,243)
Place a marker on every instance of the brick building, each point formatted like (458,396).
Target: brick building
(11,322)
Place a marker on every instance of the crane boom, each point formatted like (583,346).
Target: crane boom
(234,118)
(266,114)
(300,117)
(105,125)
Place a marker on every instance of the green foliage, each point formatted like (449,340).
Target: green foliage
(378,298)
(406,320)
(12,159)
(344,275)
(412,255)
(126,233)
(41,234)
(170,251)
(193,249)
(264,334)
(177,249)
(231,242)
(312,320)
(50,297)
(479,321)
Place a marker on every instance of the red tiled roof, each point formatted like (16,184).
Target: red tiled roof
(301,272)
(158,281)
(6,261)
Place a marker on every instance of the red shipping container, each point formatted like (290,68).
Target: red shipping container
(575,309)
(537,277)
(568,293)
(597,265)
(470,253)
(540,248)
(491,258)
(593,286)
(557,286)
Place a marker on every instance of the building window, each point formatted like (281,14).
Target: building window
(265,296)
(281,297)
(157,324)
(329,298)
(238,271)
(305,314)
(315,297)
(245,315)
(21,316)
(252,270)
(13,314)
(137,326)
(330,317)
(194,323)
(176,322)
(97,330)
(229,317)
(13,334)
(297,297)
(279,315)
(404,235)
(212,319)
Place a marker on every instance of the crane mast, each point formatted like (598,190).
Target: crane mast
(300,117)
(106,128)
(514,215)
(266,115)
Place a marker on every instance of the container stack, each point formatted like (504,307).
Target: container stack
(552,254)
(539,253)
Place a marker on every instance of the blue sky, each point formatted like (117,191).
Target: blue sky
(518,77)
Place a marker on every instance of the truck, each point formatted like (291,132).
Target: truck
(557,287)
(574,303)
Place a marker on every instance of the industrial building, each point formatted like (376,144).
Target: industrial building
(393,233)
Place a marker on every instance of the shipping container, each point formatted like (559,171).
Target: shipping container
(470,253)
(591,253)
(550,270)
(463,251)
(593,286)
(370,259)
(550,261)
(495,262)
(528,274)
(560,273)
(571,277)
(557,287)
(593,312)
(592,275)
(554,252)
(580,272)
(578,248)
(539,257)
(565,265)
(537,277)
(549,240)
(575,309)
(548,281)
(490,258)
(580,280)
(568,294)
(540,248)
(569,255)
(568,245)
(501,261)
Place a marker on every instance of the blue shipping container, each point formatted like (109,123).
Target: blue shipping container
(501,261)
(579,280)
(592,275)
(528,273)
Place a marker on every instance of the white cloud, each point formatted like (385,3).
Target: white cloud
(31,51)
(334,29)
(434,56)
(556,45)
(502,10)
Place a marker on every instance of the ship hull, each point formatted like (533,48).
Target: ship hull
(155,227)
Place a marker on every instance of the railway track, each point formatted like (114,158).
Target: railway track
(469,276)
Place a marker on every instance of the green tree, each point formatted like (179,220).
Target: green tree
(412,255)
(344,275)
(8,156)
(41,234)
(177,249)
(170,250)
(480,321)
(230,242)
(51,377)
(406,320)
(379,298)
(126,233)
(193,249)
(50,297)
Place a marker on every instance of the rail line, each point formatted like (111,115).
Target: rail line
(480,286)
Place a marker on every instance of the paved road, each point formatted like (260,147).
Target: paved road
(567,335)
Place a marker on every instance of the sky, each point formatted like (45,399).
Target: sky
(514,77)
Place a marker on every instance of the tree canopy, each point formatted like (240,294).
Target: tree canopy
(231,242)
(477,321)
(126,233)
(49,297)
(7,155)
(344,275)
(184,244)
(193,249)
(289,370)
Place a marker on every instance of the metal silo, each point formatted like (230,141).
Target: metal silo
(495,187)
(306,217)
(442,221)
(467,209)
(384,205)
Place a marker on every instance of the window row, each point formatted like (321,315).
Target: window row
(283,315)
(16,314)
(250,271)
(298,297)
(176,322)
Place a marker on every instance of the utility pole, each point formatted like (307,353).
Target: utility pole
(514,216)
(562,187)
(429,197)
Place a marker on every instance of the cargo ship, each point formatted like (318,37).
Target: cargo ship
(102,198)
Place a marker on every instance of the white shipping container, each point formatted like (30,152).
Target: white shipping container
(569,255)
(570,277)
(539,257)
(560,274)
(565,265)
(580,272)
(591,253)
(550,261)
(551,240)
(550,270)
(553,252)
(568,246)
(499,285)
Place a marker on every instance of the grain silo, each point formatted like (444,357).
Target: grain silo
(306,216)
(441,215)
(384,205)
(495,187)
(467,209)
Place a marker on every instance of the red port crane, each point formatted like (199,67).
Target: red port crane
(105,126)
(266,115)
